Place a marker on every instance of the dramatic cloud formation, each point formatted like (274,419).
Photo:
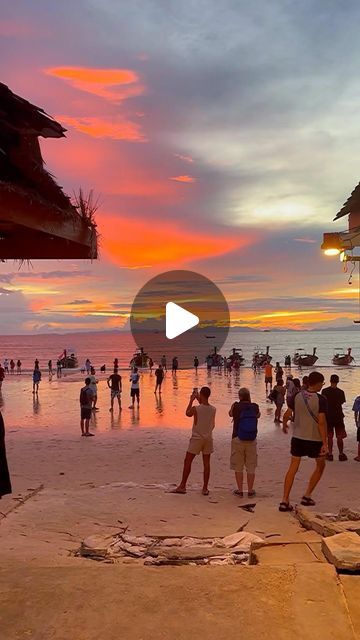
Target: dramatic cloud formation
(219,136)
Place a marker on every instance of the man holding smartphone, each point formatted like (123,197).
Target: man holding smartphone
(201,440)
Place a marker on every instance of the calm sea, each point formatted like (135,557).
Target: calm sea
(102,348)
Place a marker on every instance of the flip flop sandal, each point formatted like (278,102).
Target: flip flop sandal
(251,494)
(205,493)
(285,506)
(307,502)
(236,492)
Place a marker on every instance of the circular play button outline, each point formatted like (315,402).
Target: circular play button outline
(165,304)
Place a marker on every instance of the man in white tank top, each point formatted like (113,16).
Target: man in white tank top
(201,440)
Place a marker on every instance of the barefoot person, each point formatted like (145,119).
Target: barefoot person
(335,417)
(245,416)
(86,400)
(309,438)
(201,440)
(278,396)
(268,375)
(115,385)
(159,374)
(36,379)
(5,484)
(135,388)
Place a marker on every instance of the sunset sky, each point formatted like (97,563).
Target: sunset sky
(221,137)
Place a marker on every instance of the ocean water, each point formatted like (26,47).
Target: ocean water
(102,348)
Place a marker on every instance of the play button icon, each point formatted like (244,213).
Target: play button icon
(179,314)
(178,320)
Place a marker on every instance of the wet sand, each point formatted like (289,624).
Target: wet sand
(80,486)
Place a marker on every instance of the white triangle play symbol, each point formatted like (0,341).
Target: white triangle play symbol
(178,320)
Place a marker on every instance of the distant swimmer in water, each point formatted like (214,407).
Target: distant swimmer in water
(201,440)
(159,374)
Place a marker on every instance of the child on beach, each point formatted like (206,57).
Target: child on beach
(114,384)
(86,400)
(356,410)
(201,440)
(245,416)
(135,388)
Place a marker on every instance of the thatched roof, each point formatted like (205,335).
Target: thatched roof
(351,205)
(37,219)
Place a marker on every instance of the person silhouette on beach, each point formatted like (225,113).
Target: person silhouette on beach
(36,379)
(2,375)
(175,364)
(335,418)
(201,440)
(135,388)
(115,386)
(163,363)
(86,400)
(159,374)
(196,363)
(18,367)
(5,483)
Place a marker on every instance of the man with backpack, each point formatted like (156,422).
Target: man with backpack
(245,416)
(86,400)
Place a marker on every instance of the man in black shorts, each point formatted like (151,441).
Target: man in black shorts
(86,400)
(335,417)
(309,437)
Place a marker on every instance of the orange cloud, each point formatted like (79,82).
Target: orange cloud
(115,127)
(101,82)
(185,178)
(126,241)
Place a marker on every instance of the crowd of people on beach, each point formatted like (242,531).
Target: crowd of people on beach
(315,418)
(315,413)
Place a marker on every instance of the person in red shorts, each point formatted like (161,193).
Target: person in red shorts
(335,417)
